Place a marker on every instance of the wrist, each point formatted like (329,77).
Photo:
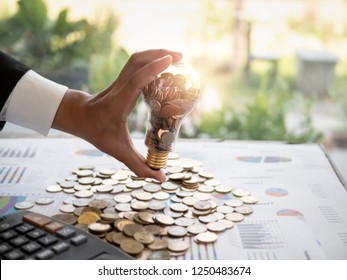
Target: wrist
(72,114)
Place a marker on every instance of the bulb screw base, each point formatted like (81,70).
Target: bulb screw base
(156,159)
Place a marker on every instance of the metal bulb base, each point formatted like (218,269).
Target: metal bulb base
(156,159)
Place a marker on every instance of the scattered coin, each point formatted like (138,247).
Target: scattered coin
(84,194)
(249,199)
(177,231)
(159,255)
(245,210)
(216,227)
(122,198)
(241,192)
(158,244)
(206,237)
(197,228)
(178,246)
(23,205)
(233,202)
(225,209)
(234,217)
(164,219)
(67,208)
(66,218)
(44,200)
(54,188)
(131,246)
(223,189)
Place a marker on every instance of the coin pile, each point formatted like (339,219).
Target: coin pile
(170,97)
(149,219)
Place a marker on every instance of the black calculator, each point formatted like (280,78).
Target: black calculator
(29,235)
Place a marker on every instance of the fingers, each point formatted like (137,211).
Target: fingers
(140,59)
(136,162)
(133,87)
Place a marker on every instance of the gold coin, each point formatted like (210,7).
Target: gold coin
(97,203)
(154,229)
(118,237)
(88,218)
(206,237)
(121,223)
(158,244)
(131,229)
(109,237)
(146,217)
(144,237)
(66,218)
(131,246)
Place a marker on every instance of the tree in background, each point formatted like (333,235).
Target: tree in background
(62,49)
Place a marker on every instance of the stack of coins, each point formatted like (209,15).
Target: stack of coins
(149,219)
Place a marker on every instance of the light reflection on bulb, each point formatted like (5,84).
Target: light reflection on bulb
(170,97)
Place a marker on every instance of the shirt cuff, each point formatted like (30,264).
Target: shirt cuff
(34,102)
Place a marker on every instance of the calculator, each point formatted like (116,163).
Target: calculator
(30,235)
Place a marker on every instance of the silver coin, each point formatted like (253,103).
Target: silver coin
(249,199)
(68,184)
(208,218)
(216,227)
(179,207)
(123,207)
(197,228)
(184,222)
(177,231)
(227,223)
(225,209)
(54,188)
(23,205)
(152,188)
(156,205)
(44,200)
(245,210)
(81,202)
(233,202)
(241,192)
(234,217)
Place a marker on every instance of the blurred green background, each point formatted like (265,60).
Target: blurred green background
(254,83)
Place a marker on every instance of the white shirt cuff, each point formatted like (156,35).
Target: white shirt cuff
(34,102)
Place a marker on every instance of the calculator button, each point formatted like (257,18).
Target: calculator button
(14,255)
(66,232)
(19,241)
(61,247)
(9,225)
(36,219)
(31,248)
(78,239)
(7,235)
(45,255)
(47,240)
(24,228)
(4,248)
(36,233)
(53,227)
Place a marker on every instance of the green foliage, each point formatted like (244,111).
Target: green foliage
(57,46)
(262,119)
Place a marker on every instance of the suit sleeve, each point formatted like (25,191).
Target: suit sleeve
(27,98)
(11,71)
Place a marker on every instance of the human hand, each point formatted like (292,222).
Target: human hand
(102,119)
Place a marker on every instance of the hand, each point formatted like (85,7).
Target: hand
(102,119)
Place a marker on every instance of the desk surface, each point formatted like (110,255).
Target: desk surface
(302,209)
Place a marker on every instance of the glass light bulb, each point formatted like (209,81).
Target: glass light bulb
(170,97)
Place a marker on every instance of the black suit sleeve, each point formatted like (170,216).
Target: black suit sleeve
(11,71)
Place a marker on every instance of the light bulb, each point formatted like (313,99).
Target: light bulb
(170,97)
